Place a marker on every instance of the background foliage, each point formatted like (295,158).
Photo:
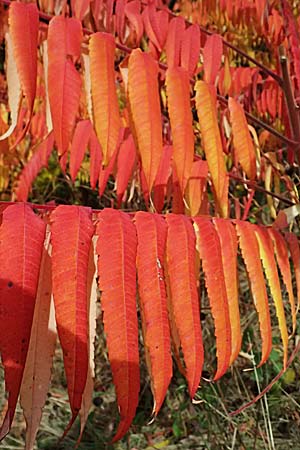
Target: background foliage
(257,28)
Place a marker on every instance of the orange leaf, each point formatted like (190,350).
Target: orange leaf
(71,235)
(178,93)
(243,145)
(37,373)
(212,144)
(250,252)
(145,108)
(212,57)
(293,242)
(208,245)
(284,266)
(64,82)
(152,233)
(24,27)
(116,249)
(80,141)
(125,164)
(229,246)
(95,158)
(21,245)
(181,269)
(267,256)
(105,102)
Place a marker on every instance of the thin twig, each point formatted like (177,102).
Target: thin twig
(255,186)
(270,385)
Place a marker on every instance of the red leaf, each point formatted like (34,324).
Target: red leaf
(64,82)
(174,38)
(152,233)
(116,249)
(208,245)
(151,24)
(190,49)
(24,27)
(80,141)
(132,12)
(181,269)
(71,236)
(21,243)
(32,168)
(212,57)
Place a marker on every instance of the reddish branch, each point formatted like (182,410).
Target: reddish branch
(292,108)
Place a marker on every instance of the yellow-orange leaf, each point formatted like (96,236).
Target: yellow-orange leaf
(116,249)
(250,252)
(282,257)
(293,242)
(208,245)
(207,113)
(37,371)
(243,145)
(181,268)
(178,93)
(64,82)
(152,233)
(269,263)
(145,108)
(105,102)
(229,245)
